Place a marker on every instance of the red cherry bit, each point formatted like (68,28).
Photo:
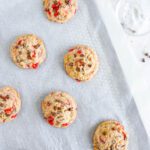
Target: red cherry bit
(71,50)
(19,42)
(79,52)
(51,120)
(65,124)
(35,66)
(34,54)
(8,110)
(14,116)
(124,135)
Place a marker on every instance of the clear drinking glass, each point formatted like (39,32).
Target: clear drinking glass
(134,16)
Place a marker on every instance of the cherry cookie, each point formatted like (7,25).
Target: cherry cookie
(110,135)
(10,104)
(81,63)
(59,109)
(60,11)
(28,51)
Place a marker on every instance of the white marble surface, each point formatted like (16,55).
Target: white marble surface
(130,50)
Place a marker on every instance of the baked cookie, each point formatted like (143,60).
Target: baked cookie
(60,10)
(81,63)
(10,104)
(28,51)
(59,109)
(110,135)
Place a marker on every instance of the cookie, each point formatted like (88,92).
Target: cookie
(59,109)
(10,104)
(110,135)
(60,11)
(28,51)
(81,63)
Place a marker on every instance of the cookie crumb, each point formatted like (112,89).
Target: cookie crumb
(143,60)
(146,54)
